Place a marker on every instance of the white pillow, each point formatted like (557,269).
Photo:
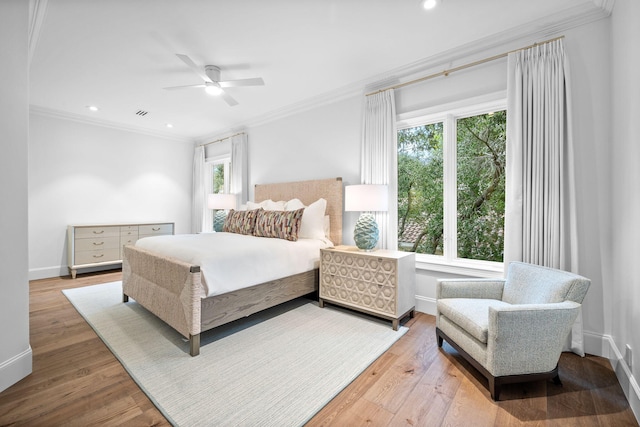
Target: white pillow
(267,205)
(313,222)
(294,205)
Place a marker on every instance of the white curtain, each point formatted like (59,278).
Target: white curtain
(199,191)
(379,156)
(239,184)
(540,212)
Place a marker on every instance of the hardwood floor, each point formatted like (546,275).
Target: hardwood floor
(76,381)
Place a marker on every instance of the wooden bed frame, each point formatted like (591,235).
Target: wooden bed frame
(171,289)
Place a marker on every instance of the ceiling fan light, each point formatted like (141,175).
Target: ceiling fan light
(212,89)
(429,4)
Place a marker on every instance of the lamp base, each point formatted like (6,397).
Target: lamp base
(366,232)
(218,220)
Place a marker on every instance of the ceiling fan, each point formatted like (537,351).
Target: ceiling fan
(212,83)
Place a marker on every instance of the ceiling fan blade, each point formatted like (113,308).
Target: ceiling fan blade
(242,82)
(183,87)
(228,99)
(194,67)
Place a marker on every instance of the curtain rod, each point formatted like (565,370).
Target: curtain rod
(221,139)
(462,67)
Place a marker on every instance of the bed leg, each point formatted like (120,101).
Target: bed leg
(125,298)
(194,345)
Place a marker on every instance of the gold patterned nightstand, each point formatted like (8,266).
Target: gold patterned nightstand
(381,283)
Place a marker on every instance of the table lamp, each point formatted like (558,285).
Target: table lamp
(221,203)
(366,198)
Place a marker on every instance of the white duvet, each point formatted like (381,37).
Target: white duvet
(230,261)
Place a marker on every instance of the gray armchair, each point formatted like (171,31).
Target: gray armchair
(511,330)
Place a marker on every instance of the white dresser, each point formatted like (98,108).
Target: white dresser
(95,245)
(381,282)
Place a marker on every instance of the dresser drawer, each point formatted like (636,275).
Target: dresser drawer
(90,232)
(371,296)
(95,243)
(154,230)
(129,233)
(360,267)
(100,255)
(128,240)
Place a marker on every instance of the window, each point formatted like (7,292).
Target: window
(451,185)
(217,181)
(218,173)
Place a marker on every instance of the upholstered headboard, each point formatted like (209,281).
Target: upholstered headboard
(308,192)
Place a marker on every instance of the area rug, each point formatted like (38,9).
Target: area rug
(275,368)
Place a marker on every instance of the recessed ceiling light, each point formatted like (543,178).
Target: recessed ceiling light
(169,125)
(92,108)
(429,4)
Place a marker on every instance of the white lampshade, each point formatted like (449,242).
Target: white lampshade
(366,198)
(221,201)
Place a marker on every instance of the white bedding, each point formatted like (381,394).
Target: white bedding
(230,261)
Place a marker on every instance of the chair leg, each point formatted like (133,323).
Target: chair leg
(494,388)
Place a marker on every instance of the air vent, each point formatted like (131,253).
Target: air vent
(141,113)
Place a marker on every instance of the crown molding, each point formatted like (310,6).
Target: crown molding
(63,115)
(605,5)
(533,31)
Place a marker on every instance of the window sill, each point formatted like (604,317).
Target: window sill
(468,268)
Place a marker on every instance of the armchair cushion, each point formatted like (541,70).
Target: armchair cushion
(472,315)
(470,288)
(529,284)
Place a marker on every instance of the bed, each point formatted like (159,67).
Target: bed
(174,289)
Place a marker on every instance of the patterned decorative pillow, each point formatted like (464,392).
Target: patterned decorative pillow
(240,222)
(278,224)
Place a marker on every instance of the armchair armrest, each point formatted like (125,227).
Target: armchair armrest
(526,338)
(470,288)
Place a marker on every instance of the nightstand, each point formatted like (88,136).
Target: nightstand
(381,283)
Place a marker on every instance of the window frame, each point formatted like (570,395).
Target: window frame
(210,164)
(448,114)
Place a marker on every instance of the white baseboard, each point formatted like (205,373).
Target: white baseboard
(48,272)
(63,270)
(426,305)
(626,379)
(15,369)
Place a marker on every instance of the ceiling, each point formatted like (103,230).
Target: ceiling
(119,54)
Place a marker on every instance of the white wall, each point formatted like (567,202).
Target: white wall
(15,351)
(319,143)
(80,173)
(622,254)
(325,142)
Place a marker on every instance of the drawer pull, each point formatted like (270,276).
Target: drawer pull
(155,228)
(98,256)
(98,243)
(98,232)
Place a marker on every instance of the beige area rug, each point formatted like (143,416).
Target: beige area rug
(276,368)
